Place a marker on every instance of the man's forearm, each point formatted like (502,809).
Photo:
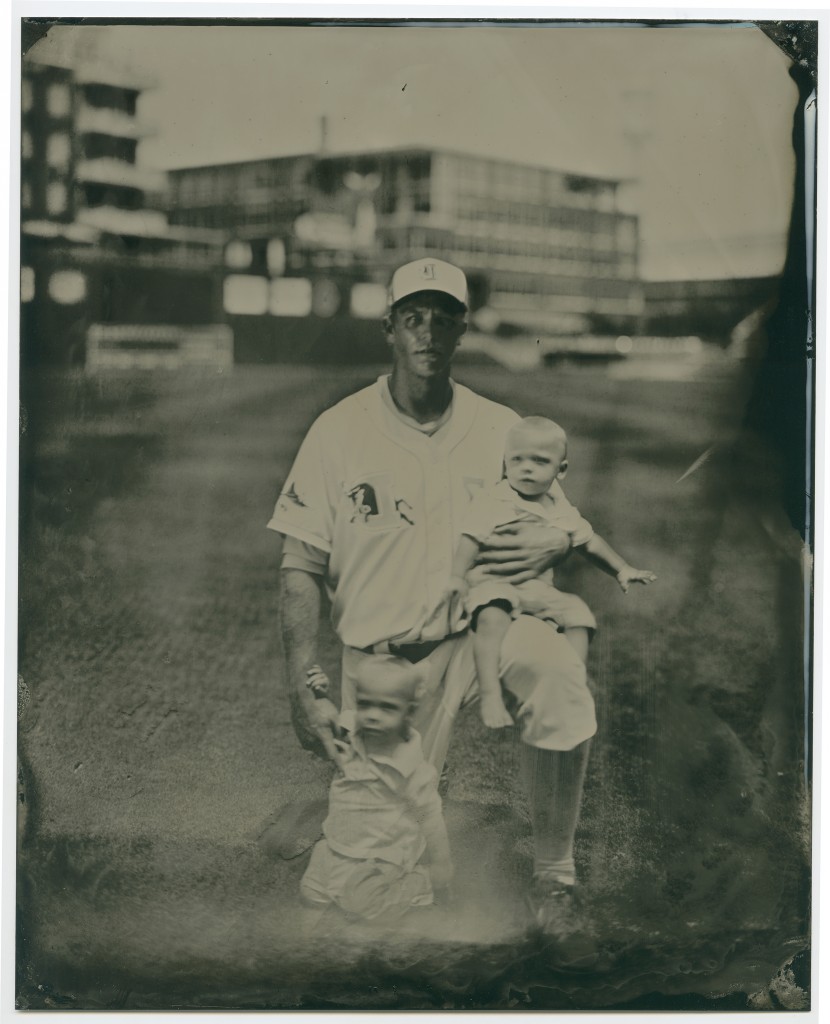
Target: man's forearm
(301,603)
(314,720)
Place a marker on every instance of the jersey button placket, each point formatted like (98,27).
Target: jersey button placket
(438,540)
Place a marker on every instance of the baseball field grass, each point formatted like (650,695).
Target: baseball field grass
(156,748)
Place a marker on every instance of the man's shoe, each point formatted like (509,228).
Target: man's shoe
(565,926)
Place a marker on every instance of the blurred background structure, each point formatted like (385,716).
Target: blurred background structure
(286,258)
(97,249)
(544,249)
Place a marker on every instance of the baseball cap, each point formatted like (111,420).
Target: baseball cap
(428,275)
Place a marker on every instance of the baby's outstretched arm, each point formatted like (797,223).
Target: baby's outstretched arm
(629,575)
(606,558)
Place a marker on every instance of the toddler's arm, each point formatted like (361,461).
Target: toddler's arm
(602,555)
(427,807)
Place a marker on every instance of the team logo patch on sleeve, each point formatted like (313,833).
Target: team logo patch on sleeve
(290,497)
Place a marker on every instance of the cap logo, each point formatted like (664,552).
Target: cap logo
(427,275)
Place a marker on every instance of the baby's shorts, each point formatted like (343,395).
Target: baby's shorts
(535,598)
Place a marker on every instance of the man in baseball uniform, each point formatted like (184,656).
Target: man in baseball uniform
(371,511)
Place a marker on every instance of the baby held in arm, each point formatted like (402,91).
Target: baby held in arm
(535,461)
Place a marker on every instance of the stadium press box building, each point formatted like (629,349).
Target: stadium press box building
(544,250)
(105,280)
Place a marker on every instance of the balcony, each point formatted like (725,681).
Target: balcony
(106,171)
(100,73)
(147,223)
(105,121)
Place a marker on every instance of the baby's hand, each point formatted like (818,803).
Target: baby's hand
(628,575)
(493,712)
(317,681)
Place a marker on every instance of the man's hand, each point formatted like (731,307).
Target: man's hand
(519,552)
(315,723)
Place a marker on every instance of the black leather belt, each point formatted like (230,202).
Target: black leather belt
(412,652)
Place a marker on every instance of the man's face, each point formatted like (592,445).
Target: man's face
(424,330)
(532,461)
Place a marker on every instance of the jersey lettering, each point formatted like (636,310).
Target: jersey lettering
(404,510)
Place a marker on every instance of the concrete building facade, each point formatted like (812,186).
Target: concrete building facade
(96,246)
(544,249)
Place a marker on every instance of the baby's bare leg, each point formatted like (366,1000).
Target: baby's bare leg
(578,637)
(490,626)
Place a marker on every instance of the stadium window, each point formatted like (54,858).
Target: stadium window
(58,100)
(26,195)
(57,150)
(245,295)
(238,255)
(67,287)
(325,298)
(290,296)
(368,300)
(275,257)
(26,146)
(26,95)
(56,197)
(27,284)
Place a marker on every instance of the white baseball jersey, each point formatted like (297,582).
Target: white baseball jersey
(386,502)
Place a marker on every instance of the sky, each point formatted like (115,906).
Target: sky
(700,116)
